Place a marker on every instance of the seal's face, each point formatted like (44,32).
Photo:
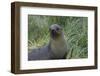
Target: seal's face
(55,31)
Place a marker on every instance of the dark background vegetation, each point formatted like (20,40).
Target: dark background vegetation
(75,32)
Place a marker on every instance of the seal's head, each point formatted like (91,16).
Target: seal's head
(55,31)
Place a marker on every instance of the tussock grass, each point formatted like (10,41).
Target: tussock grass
(75,32)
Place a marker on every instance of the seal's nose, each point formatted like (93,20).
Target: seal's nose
(53,31)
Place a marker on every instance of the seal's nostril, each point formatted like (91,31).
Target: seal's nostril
(57,29)
(53,31)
